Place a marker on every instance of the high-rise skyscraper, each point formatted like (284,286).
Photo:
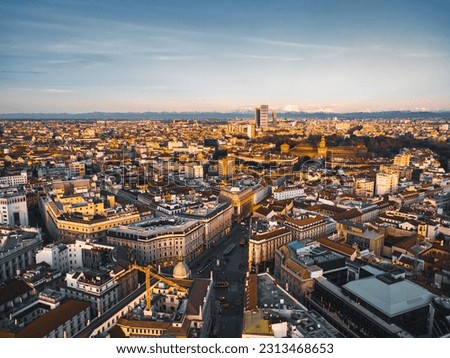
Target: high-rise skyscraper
(262,116)
(258,117)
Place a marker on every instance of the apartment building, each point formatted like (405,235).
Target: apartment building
(94,286)
(13,208)
(18,248)
(262,247)
(161,241)
(309,227)
(217,219)
(241,199)
(14,180)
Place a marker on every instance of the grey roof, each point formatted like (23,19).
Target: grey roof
(150,228)
(373,270)
(391,299)
(8,243)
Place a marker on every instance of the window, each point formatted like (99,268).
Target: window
(16,218)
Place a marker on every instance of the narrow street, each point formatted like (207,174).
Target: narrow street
(232,269)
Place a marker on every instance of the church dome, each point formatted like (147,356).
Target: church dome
(181,270)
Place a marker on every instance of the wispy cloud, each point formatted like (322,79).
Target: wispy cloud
(57,90)
(304,45)
(424,55)
(111,53)
(78,59)
(41,90)
(22,72)
(268,57)
(403,51)
(91,47)
(172,57)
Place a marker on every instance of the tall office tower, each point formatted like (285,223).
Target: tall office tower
(274,118)
(262,116)
(258,118)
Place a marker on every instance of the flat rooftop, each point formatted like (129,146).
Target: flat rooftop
(278,314)
(390,297)
(154,226)
(207,210)
(271,295)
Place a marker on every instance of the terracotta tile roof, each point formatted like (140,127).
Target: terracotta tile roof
(406,243)
(346,215)
(305,221)
(336,246)
(14,288)
(252,292)
(116,332)
(182,331)
(270,234)
(263,211)
(285,250)
(297,268)
(166,327)
(196,295)
(6,334)
(445,247)
(46,323)
(123,322)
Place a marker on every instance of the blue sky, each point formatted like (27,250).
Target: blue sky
(336,56)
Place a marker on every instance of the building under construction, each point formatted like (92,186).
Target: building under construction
(172,307)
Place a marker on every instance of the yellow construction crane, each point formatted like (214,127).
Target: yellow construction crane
(149,273)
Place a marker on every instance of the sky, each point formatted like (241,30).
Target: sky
(77,56)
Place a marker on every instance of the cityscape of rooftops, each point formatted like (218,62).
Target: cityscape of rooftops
(224,170)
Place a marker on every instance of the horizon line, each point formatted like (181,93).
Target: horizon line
(227,112)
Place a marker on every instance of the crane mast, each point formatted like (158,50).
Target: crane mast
(149,274)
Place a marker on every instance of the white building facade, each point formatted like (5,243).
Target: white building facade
(13,208)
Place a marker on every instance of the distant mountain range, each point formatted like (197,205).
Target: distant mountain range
(220,115)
